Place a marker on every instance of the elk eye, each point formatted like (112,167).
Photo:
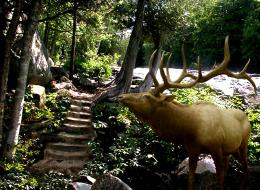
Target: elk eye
(147,96)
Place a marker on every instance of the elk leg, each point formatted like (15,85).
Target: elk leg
(220,168)
(241,156)
(226,162)
(192,168)
(243,159)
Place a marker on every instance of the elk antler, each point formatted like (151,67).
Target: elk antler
(218,70)
(167,83)
(222,69)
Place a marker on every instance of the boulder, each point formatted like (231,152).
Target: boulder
(63,85)
(39,72)
(205,163)
(109,182)
(58,72)
(205,174)
(40,66)
(79,186)
(106,181)
(144,178)
(38,94)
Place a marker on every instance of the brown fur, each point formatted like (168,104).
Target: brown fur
(200,127)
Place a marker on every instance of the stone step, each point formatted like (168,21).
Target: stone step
(79,114)
(76,138)
(82,129)
(83,97)
(77,121)
(54,154)
(70,167)
(80,102)
(80,108)
(66,150)
(68,147)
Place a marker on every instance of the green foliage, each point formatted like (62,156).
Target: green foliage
(203,25)
(27,150)
(58,105)
(135,147)
(54,110)
(96,67)
(251,37)
(254,145)
(53,180)
(112,115)
(33,113)
(18,177)
(16,174)
(203,94)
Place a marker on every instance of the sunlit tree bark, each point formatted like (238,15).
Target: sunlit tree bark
(73,45)
(8,41)
(123,85)
(147,83)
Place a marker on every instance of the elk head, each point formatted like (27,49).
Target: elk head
(200,127)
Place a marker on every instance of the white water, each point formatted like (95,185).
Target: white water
(229,86)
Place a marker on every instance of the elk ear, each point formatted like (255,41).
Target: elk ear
(169,98)
(150,97)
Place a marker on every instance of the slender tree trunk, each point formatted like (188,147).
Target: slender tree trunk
(5,62)
(148,81)
(123,85)
(46,34)
(73,45)
(14,128)
(52,44)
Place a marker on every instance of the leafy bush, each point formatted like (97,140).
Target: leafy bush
(55,109)
(16,174)
(53,180)
(18,177)
(31,112)
(59,106)
(254,142)
(96,67)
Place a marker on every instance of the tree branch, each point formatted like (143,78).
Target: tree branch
(69,11)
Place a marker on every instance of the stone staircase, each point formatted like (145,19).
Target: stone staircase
(68,151)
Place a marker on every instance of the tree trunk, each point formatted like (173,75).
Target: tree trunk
(14,128)
(148,81)
(46,33)
(5,60)
(73,45)
(126,72)
(156,36)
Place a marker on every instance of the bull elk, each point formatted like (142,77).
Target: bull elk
(202,128)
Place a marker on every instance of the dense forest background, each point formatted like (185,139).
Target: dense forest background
(86,40)
(102,31)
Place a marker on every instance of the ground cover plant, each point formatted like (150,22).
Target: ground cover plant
(17,174)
